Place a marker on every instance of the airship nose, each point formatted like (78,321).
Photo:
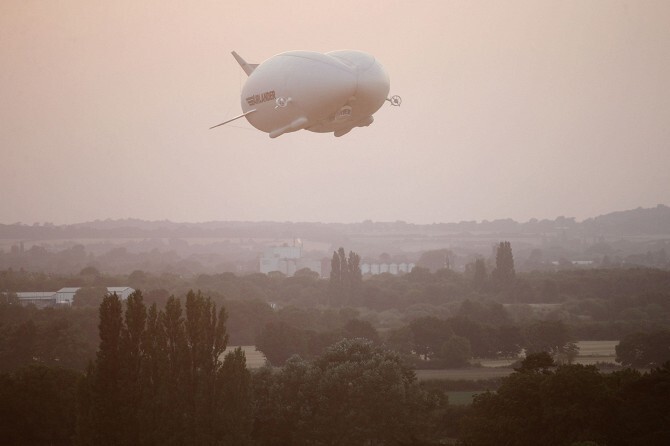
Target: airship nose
(373,87)
(372,80)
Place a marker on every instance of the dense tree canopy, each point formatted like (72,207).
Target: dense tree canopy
(156,375)
(644,349)
(354,394)
(160,377)
(38,406)
(573,405)
(279,340)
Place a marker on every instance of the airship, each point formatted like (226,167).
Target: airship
(305,90)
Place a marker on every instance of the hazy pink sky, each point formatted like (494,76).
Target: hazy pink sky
(514,109)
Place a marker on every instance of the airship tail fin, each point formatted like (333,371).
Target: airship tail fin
(247,67)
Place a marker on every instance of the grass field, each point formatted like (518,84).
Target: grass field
(462,397)
(496,362)
(470,374)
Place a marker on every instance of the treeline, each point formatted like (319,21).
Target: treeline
(67,337)
(491,310)
(175,256)
(434,343)
(356,394)
(572,405)
(121,246)
(618,290)
(158,378)
(426,342)
(140,229)
(58,337)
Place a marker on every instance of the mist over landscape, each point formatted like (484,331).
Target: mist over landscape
(484,261)
(637,237)
(342,330)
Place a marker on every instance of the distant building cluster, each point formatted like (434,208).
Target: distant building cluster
(64,296)
(380,268)
(287,260)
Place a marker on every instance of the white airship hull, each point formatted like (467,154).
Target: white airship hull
(296,90)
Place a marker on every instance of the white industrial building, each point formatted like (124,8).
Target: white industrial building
(373,269)
(64,296)
(38,298)
(287,260)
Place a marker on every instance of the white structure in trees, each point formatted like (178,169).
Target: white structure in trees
(65,296)
(392,268)
(287,260)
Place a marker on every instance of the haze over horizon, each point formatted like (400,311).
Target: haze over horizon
(204,222)
(519,110)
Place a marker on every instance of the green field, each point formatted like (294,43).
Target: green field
(470,374)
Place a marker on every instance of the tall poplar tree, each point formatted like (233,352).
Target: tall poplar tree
(345,277)
(106,413)
(174,392)
(131,360)
(336,283)
(206,340)
(355,275)
(233,400)
(153,381)
(479,277)
(504,274)
(158,377)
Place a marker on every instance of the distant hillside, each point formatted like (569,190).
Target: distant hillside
(640,221)
(132,228)
(638,237)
